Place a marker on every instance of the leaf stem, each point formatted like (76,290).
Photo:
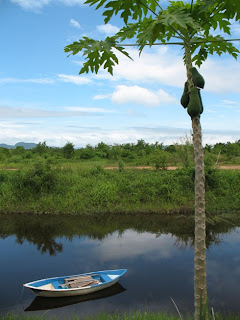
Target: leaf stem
(191,5)
(148,8)
(175,43)
(159,5)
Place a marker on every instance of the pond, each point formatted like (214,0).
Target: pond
(157,251)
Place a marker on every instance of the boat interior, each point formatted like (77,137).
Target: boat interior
(74,282)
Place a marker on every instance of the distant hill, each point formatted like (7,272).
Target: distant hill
(25,145)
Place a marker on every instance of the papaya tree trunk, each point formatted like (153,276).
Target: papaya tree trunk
(200,285)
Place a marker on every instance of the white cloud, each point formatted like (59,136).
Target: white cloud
(75,24)
(91,110)
(130,246)
(235,29)
(139,95)
(36,80)
(37,5)
(79,80)
(166,98)
(57,133)
(160,66)
(165,67)
(135,94)
(101,96)
(33,5)
(221,75)
(8,112)
(108,29)
(72,2)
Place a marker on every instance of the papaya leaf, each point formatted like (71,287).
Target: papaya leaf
(97,53)
(211,45)
(230,8)
(207,4)
(151,30)
(133,9)
(191,21)
(129,31)
(179,19)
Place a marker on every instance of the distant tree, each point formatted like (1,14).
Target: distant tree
(232,149)
(103,150)
(19,150)
(171,148)
(208,147)
(86,153)
(160,159)
(68,150)
(41,148)
(4,154)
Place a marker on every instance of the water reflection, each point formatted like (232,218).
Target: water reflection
(158,253)
(40,303)
(42,231)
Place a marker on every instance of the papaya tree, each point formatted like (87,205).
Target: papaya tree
(193,25)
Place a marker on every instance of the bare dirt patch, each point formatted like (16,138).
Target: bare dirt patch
(137,167)
(230,167)
(223,167)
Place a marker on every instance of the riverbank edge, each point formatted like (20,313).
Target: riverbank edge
(42,190)
(139,315)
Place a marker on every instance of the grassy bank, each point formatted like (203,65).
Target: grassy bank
(42,188)
(130,316)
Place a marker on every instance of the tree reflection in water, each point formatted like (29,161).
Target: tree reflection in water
(43,230)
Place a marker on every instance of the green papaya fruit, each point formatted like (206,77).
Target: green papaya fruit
(199,93)
(198,79)
(194,107)
(185,96)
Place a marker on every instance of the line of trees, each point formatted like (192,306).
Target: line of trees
(141,153)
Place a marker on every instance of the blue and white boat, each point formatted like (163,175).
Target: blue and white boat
(75,285)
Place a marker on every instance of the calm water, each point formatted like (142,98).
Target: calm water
(157,253)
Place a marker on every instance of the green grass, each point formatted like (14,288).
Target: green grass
(75,189)
(125,316)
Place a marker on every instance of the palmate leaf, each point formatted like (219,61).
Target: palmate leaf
(97,53)
(211,45)
(178,18)
(129,31)
(230,8)
(207,5)
(151,30)
(133,9)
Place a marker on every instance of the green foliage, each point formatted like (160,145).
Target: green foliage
(129,9)
(160,159)
(138,315)
(189,22)
(120,165)
(140,153)
(35,180)
(42,188)
(68,150)
(41,148)
(98,53)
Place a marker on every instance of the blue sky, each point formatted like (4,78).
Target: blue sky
(42,97)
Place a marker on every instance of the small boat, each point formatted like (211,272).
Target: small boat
(75,285)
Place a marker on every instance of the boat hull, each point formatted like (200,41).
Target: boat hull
(37,286)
